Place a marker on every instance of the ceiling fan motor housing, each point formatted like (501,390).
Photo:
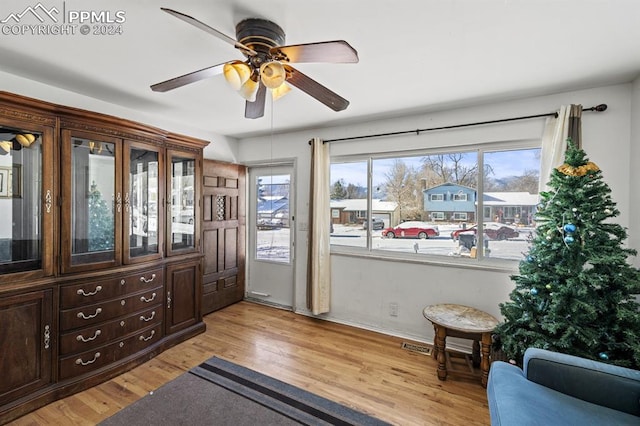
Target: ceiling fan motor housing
(260,35)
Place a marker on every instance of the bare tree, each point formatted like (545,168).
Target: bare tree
(403,187)
(443,168)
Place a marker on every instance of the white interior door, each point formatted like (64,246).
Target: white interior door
(271,233)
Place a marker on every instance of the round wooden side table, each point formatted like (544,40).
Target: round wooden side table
(466,323)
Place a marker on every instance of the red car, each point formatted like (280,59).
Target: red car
(493,230)
(413,229)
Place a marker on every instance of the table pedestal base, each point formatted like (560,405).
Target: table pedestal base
(475,364)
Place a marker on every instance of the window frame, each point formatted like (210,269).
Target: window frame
(460,216)
(481,261)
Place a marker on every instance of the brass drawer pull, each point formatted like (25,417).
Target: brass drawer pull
(81,338)
(79,361)
(146,339)
(93,293)
(144,299)
(144,280)
(142,318)
(86,317)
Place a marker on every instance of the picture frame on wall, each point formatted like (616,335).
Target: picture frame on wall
(5,182)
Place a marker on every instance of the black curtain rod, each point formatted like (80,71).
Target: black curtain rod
(598,108)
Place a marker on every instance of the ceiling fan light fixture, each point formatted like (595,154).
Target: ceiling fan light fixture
(272,74)
(236,73)
(5,147)
(25,139)
(249,90)
(280,91)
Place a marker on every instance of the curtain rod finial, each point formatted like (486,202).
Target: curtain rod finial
(601,107)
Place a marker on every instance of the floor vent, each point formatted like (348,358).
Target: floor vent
(423,349)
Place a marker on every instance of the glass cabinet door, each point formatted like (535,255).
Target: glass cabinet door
(183,202)
(92,201)
(143,174)
(26,201)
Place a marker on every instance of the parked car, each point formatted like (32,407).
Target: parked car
(493,231)
(412,229)
(376,224)
(274,223)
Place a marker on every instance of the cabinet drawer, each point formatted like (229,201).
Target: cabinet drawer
(91,337)
(88,361)
(91,292)
(109,309)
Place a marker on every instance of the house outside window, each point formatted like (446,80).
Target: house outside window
(439,190)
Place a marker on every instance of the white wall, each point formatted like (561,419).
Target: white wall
(220,147)
(363,287)
(634,166)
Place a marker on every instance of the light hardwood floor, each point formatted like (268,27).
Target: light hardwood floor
(364,370)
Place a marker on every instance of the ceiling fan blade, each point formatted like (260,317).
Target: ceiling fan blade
(338,51)
(315,89)
(193,21)
(255,109)
(192,77)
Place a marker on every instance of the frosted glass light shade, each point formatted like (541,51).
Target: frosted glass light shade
(280,91)
(236,74)
(272,74)
(249,90)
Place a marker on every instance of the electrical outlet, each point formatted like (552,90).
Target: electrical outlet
(393,309)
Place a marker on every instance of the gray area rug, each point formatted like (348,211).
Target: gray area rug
(219,392)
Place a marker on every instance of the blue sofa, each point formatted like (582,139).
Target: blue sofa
(558,389)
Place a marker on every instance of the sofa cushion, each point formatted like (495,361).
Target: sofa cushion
(593,381)
(514,400)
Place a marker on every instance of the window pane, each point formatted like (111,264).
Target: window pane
(428,204)
(20,200)
(433,195)
(183,172)
(93,201)
(143,211)
(349,203)
(510,198)
(272,218)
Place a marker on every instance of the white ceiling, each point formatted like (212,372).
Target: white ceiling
(415,55)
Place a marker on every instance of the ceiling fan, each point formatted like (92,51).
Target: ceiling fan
(267,64)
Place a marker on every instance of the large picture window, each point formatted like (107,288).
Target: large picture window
(474,204)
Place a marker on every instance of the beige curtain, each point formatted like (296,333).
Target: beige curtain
(554,140)
(318,263)
(575,125)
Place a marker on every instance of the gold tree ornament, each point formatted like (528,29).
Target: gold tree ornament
(569,170)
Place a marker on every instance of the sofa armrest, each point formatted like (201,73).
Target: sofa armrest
(596,382)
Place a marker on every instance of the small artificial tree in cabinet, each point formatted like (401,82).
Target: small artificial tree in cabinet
(575,289)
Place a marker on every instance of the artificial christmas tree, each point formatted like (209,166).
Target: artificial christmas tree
(575,289)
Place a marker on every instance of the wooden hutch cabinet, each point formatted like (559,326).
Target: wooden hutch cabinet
(100,256)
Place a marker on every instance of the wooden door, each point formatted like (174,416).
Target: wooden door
(27,340)
(223,236)
(183,289)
